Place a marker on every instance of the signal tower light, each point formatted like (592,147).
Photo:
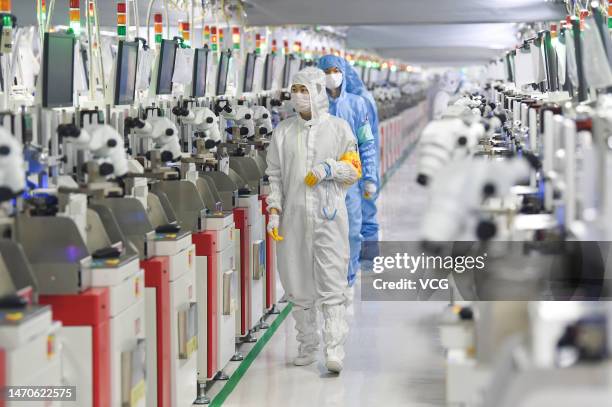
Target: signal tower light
(206,34)
(158,23)
(185,33)
(236,38)
(258,44)
(121,19)
(214,39)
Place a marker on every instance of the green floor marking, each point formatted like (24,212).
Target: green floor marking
(248,360)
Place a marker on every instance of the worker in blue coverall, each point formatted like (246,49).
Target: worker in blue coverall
(354,110)
(369,224)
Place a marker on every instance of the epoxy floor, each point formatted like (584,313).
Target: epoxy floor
(393,353)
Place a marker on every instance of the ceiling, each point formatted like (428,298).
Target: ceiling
(425,32)
(428,32)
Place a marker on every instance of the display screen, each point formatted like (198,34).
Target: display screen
(287,70)
(58,70)
(224,62)
(249,72)
(127,65)
(269,72)
(166,67)
(200,70)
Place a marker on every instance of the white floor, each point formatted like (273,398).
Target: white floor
(393,352)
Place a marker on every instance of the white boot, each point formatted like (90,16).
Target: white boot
(335,330)
(307,336)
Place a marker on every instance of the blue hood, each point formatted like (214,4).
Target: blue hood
(329,61)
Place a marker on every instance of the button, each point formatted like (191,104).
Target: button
(112,262)
(171,236)
(14,316)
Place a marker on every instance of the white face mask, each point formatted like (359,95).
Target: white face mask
(333,80)
(301,102)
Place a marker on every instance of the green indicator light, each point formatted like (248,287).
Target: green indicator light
(236,46)
(121,30)
(158,38)
(214,47)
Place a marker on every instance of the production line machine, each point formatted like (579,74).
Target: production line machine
(532,192)
(163,263)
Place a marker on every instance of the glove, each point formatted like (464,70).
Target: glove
(317,174)
(272,228)
(369,190)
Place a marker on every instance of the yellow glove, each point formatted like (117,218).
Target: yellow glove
(317,174)
(311,180)
(272,227)
(275,235)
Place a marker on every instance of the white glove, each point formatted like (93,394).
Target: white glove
(369,190)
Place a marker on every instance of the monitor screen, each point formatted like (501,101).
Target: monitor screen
(200,71)
(127,65)
(166,67)
(58,70)
(224,62)
(287,70)
(269,72)
(249,72)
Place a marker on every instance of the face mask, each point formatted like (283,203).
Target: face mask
(301,102)
(333,80)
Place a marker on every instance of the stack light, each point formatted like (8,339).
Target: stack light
(258,44)
(206,34)
(214,39)
(221,43)
(583,16)
(121,19)
(610,14)
(297,47)
(43,10)
(274,47)
(285,47)
(553,30)
(236,38)
(75,16)
(185,33)
(5,6)
(158,23)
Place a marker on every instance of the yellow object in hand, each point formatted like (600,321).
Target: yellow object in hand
(275,235)
(311,180)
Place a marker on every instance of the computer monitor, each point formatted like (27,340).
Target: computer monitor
(269,72)
(165,70)
(200,71)
(125,76)
(287,70)
(249,72)
(58,70)
(224,62)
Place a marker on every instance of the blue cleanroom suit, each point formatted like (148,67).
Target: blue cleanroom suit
(354,110)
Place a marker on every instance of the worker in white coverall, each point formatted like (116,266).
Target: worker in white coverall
(312,160)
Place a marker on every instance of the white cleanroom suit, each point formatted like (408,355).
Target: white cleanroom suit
(313,257)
